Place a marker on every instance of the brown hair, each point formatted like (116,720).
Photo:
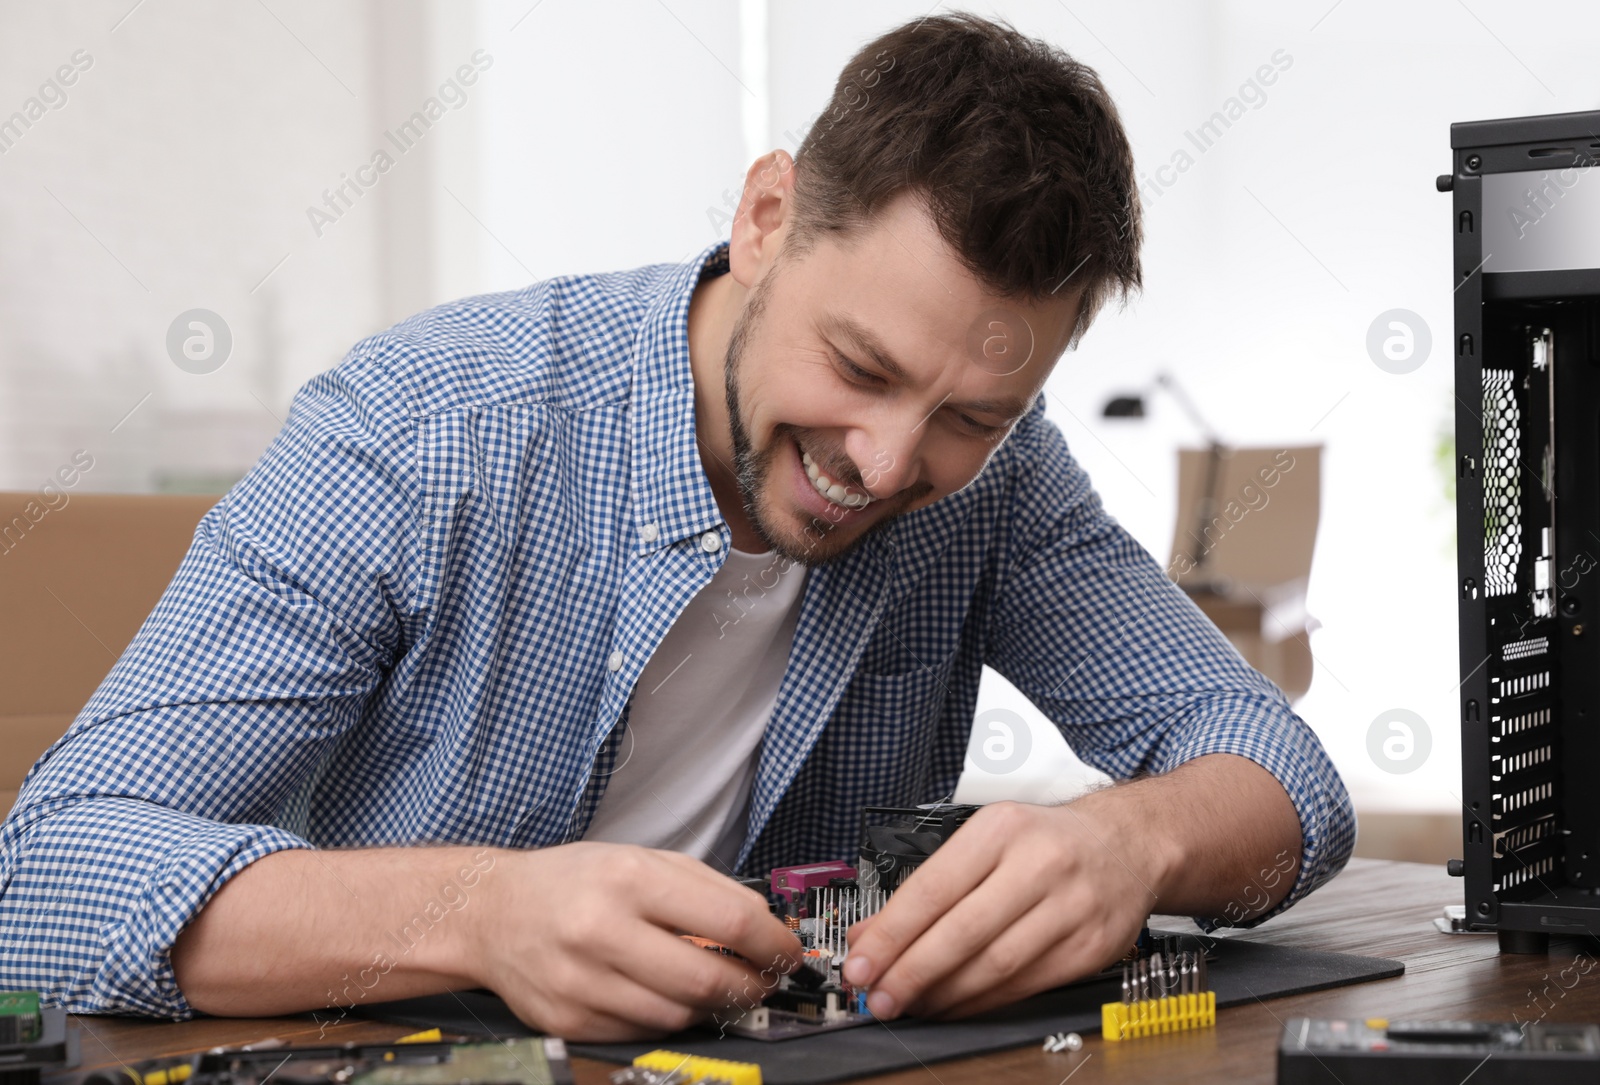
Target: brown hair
(1016,149)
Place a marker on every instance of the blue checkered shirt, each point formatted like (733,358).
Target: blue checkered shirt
(400,625)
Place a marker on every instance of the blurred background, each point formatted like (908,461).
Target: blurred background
(166,156)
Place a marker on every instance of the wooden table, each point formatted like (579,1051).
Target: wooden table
(1378,908)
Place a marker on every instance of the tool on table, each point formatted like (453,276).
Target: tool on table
(674,1068)
(34,1039)
(1163,992)
(1377,1051)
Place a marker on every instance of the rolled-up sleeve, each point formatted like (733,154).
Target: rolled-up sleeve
(1138,680)
(283,618)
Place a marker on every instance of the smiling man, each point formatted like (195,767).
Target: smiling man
(608,587)
(814,433)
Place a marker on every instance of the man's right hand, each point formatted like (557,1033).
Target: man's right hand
(581,940)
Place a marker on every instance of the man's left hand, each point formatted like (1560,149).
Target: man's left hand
(1024,898)
(1021,899)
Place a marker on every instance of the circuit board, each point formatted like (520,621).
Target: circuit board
(535,1060)
(19,1017)
(821,901)
(532,1061)
(771,1023)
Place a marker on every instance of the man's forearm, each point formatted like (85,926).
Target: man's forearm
(305,930)
(1218,836)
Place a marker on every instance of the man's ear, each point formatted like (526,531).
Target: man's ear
(763,217)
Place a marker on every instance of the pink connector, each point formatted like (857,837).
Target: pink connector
(790,882)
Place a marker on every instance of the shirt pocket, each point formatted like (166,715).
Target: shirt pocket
(883,730)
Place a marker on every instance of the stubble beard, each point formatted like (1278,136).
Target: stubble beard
(752,469)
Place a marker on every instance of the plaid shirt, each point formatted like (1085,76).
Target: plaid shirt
(419,618)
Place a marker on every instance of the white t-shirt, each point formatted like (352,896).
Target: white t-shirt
(701,704)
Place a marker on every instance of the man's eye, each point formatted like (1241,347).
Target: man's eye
(855,372)
(980,429)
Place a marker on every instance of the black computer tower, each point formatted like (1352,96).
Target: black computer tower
(1526,275)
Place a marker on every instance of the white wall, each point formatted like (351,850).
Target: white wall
(1266,263)
(179,172)
(610,131)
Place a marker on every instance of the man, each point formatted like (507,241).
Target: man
(613,585)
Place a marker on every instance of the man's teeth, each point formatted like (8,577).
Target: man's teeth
(831,489)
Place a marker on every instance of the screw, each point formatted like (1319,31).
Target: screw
(1577,630)
(1570,605)
(1473,161)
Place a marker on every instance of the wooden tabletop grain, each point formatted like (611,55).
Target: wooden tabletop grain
(1378,908)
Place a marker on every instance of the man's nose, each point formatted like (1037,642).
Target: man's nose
(886,456)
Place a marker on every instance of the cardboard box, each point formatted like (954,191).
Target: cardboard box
(1284,658)
(1242,546)
(79,573)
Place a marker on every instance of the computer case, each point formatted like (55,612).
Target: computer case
(1526,277)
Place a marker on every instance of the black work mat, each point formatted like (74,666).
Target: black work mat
(1242,972)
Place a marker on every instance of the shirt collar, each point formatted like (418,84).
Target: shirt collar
(671,498)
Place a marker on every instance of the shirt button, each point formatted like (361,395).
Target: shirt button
(649,532)
(711,542)
(615,662)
